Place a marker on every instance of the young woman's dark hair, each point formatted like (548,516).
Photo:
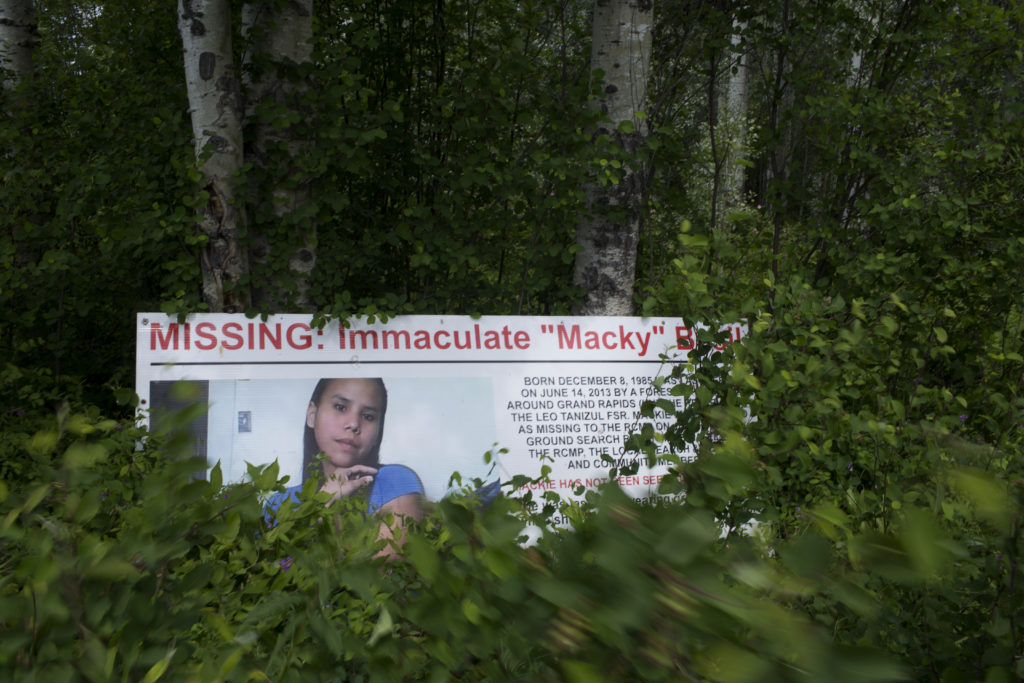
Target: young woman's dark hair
(310,449)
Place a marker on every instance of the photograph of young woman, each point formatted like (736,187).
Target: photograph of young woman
(345,423)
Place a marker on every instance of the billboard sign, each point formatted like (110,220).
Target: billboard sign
(560,392)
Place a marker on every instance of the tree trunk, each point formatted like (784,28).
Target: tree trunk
(215,104)
(280,37)
(18,40)
(734,112)
(609,230)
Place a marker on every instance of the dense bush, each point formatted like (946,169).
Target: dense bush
(119,563)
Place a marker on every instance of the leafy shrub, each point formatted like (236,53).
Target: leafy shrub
(118,562)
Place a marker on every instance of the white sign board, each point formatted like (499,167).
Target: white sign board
(561,392)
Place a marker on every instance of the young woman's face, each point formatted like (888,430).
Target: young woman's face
(347,421)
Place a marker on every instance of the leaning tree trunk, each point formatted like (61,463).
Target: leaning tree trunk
(280,38)
(609,230)
(18,40)
(215,104)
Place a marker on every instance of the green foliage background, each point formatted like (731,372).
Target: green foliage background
(861,448)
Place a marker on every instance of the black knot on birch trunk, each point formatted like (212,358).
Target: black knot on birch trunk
(218,143)
(207,63)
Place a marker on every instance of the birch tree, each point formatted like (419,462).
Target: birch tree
(18,39)
(216,109)
(605,266)
(734,110)
(279,38)
(224,101)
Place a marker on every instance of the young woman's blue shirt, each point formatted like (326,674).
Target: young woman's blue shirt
(390,482)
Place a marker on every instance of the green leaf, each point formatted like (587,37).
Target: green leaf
(158,669)
(576,671)
(383,627)
(471,611)
(987,494)
(423,557)
(216,477)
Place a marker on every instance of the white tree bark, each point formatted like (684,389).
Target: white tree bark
(280,36)
(283,31)
(608,233)
(734,112)
(216,108)
(18,40)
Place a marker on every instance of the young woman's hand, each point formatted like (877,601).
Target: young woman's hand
(347,480)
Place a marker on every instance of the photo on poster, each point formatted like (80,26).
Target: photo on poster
(434,426)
